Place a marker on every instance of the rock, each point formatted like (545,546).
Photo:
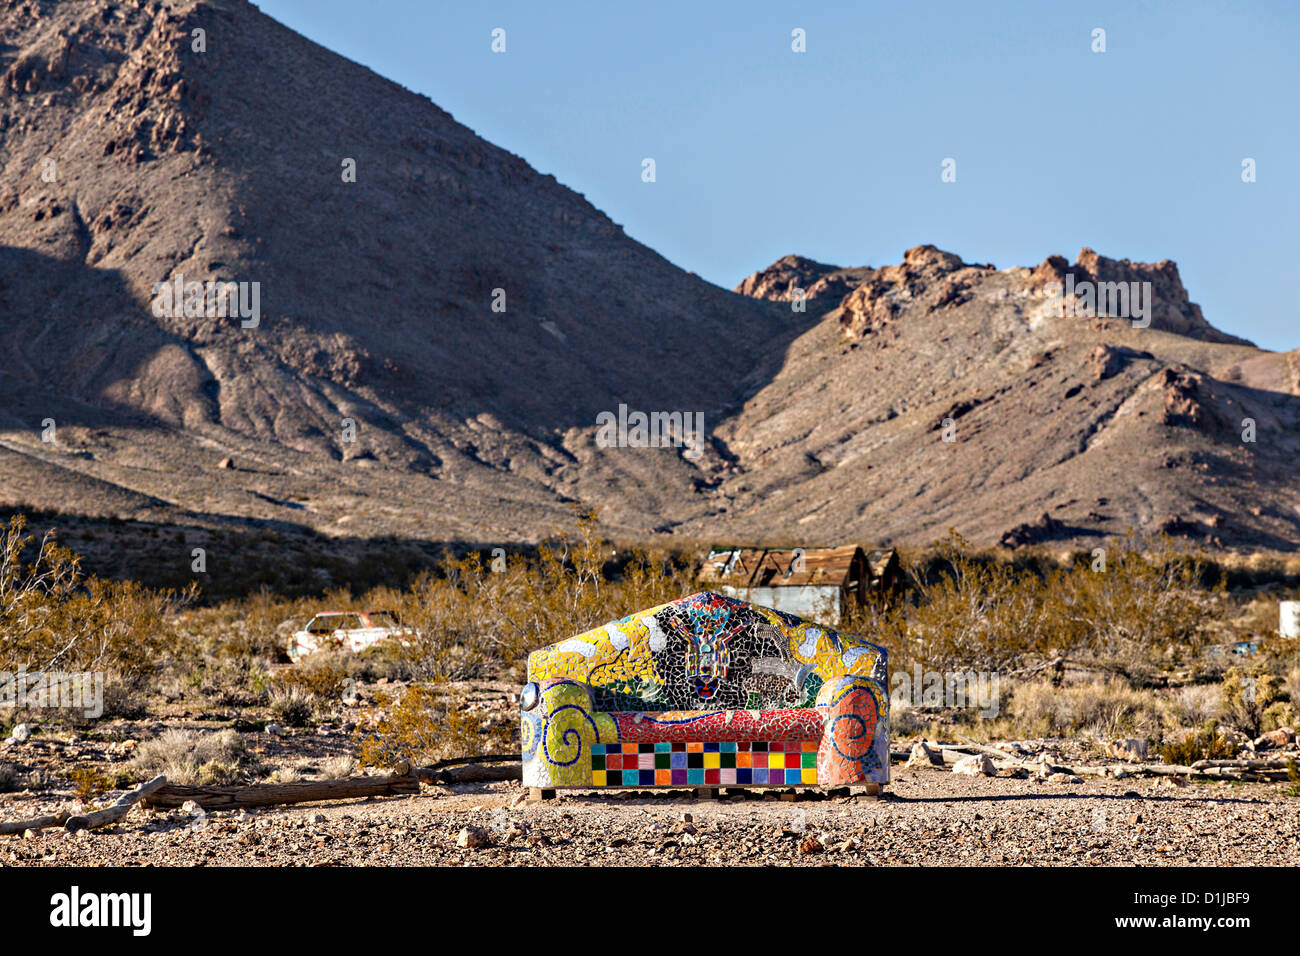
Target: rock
(226,464)
(976,765)
(1276,738)
(472,838)
(1064,778)
(191,807)
(273,729)
(30,834)
(21,733)
(619,842)
(1135,819)
(519,798)
(923,756)
(1033,532)
(685,818)
(318,818)
(810,845)
(1131,749)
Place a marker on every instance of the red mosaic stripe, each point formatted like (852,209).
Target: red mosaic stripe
(692,725)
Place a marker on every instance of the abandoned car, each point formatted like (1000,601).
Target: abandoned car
(346,630)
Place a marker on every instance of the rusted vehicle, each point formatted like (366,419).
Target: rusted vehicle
(346,630)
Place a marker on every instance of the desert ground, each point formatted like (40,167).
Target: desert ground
(925,817)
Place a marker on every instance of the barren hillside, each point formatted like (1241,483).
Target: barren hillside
(143,143)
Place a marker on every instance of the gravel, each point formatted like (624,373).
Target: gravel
(928,817)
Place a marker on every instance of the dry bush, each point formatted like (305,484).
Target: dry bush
(1193,706)
(1147,611)
(1207,743)
(1108,708)
(335,768)
(292,706)
(425,724)
(1247,693)
(53,617)
(89,783)
(193,759)
(1292,686)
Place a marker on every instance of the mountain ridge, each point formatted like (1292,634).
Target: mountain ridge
(377,295)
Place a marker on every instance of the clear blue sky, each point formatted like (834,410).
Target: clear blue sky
(835,153)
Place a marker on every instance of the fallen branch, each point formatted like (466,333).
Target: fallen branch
(270,794)
(37,823)
(99,818)
(483,758)
(1242,764)
(471,774)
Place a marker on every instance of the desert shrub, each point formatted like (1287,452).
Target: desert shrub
(334,768)
(1193,706)
(1137,612)
(971,615)
(424,724)
(1147,610)
(1247,693)
(1106,708)
(1292,686)
(89,782)
(1278,714)
(192,759)
(1207,743)
(52,616)
(292,706)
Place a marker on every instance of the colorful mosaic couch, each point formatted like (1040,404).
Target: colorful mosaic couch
(706,691)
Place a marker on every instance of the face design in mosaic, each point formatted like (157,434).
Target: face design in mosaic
(707,674)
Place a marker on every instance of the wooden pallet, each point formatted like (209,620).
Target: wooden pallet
(860,792)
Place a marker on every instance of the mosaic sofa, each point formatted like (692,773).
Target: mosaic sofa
(706,691)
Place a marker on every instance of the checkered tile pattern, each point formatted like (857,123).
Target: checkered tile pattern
(774,763)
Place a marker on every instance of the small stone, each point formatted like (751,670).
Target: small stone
(1277,738)
(1135,819)
(472,838)
(923,756)
(226,464)
(273,729)
(21,733)
(318,818)
(519,798)
(618,842)
(810,845)
(685,818)
(976,765)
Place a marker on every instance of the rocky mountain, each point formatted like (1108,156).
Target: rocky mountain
(1065,422)
(428,334)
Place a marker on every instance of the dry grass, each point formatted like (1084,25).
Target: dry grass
(193,759)
(1194,706)
(1109,708)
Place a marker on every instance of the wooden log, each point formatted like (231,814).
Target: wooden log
(271,794)
(470,774)
(1241,764)
(123,805)
(37,823)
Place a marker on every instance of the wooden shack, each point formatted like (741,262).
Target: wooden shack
(818,583)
